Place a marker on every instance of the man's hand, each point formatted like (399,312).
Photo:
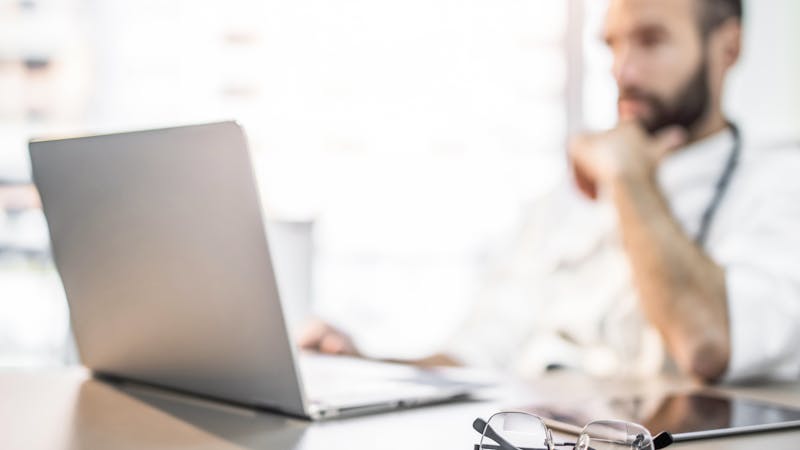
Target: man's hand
(23,196)
(322,337)
(625,151)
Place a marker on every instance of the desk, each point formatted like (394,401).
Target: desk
(68,409)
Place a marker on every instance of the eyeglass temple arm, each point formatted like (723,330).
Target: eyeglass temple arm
(483,428)
(662,440)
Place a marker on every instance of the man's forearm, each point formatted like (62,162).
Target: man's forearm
(682,290)
(436,360)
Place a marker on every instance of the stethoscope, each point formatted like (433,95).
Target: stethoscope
(721,186)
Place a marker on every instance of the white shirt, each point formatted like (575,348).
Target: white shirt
(566,297)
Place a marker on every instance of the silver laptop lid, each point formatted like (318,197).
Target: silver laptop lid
(159,240)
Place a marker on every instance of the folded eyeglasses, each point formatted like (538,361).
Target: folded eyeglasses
(524,431)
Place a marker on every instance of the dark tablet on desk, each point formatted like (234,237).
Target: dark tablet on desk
(688,416)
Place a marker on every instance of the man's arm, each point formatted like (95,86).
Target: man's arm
(681,289)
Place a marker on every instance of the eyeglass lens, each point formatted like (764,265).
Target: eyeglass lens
(614,435)
(511,431)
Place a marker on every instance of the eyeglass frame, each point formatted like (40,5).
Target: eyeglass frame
(661,440)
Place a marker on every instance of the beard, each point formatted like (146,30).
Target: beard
(687,108)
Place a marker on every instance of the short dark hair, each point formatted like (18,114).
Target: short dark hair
(714,13)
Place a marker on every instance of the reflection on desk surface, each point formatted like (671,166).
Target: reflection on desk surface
(246,428)
(127,412)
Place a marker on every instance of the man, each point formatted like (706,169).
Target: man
(692,243)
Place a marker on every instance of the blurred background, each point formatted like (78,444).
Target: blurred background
(398,145)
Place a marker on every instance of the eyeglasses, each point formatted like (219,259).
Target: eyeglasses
(524,431)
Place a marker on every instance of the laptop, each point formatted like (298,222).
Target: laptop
(160,243)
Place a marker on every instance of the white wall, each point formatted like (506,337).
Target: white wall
(763,93)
